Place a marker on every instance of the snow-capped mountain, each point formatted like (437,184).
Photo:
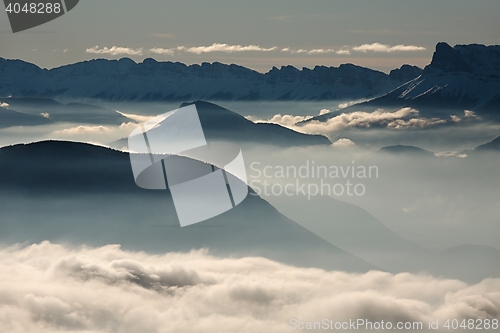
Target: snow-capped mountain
(150,80)
(464,77)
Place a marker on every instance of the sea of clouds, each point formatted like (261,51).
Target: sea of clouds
(56,288)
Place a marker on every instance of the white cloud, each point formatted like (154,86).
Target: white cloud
(415,123)
(115,50)
(326,51)
(377,47)
(350,103)
(321,51)
(405,118)
(45,115)
(66,50)
(470,114)
(284,120)
(96,134)
(51,288)
(98,128)
(343,52)
(356,119)
(323,111)
(158,50)
(218,47)
(4,105)
(135,117)
(343,143)
(450,154)
(228,48)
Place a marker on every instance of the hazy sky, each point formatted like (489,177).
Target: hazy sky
(315,32)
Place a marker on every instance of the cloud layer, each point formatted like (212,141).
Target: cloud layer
(377,47)
(52,288)
(218,47)
(405,118)
(115,50)
(228,48)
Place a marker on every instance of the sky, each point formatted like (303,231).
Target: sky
(259,34)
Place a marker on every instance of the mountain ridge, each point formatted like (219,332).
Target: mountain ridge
(219,123)
(458,79)
(150,80)
(85,194)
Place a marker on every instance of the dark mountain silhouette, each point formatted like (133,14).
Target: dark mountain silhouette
(222,124)
(493,145)
(407,150)
(84,194)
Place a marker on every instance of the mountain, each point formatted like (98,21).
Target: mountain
(406,73)
(353,229)
(360,233)
(9,118)
(460,78)
(463,77)
(59,112)
(481,261)
(85,194)
(222,124)
(407,150)
(125,80)
(493,145)
(489,147)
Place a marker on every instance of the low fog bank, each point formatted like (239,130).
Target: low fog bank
(54,288)
(77,132)
(366,130)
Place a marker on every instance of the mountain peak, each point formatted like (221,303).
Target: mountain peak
(474,59)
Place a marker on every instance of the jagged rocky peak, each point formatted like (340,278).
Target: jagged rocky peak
(474,59)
